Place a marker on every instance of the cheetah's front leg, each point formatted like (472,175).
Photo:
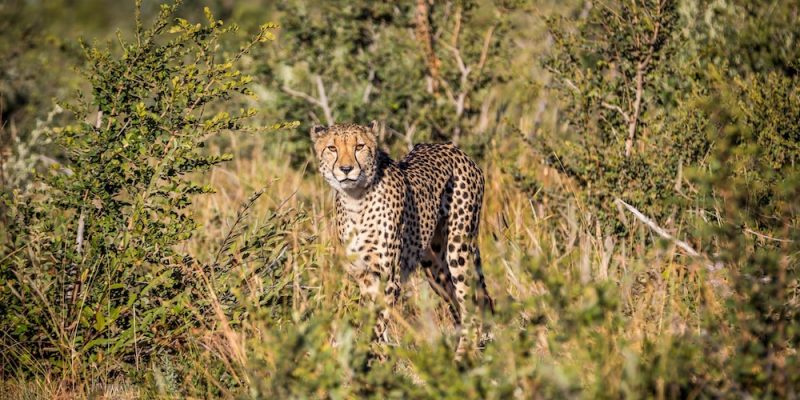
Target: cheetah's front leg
(382,303)
(375,269)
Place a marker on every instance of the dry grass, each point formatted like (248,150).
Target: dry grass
(659,291)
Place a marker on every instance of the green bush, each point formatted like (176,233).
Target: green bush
(586,305)
(92,269)
(755,178)
(343,61)
(718,147)
(608,70)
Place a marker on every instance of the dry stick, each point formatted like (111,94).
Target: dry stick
(664,234)
(465,85)
(766,237)
(321,102)
(641,68)
(368,89)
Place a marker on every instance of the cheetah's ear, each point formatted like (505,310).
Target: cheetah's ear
(318,131)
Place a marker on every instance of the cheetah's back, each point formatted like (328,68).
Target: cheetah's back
(441,180)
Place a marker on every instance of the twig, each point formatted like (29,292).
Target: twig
(321,102)
(641,68)
(323,99)
(616,108)
(765,237)
(689,250)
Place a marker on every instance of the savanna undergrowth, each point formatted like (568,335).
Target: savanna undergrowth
(168,255)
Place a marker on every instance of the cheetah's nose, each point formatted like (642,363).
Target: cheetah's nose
(346,168)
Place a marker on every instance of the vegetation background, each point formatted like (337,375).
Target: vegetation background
(164,234)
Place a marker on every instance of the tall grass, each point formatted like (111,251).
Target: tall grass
(581,312)
(650,295)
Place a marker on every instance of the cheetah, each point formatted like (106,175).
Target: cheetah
(393,216)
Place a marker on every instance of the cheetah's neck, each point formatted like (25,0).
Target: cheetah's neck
(350,206)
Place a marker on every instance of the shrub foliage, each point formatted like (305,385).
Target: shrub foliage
(94,268)
(120,265)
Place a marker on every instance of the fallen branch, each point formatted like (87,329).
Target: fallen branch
(766,237)
(689,250)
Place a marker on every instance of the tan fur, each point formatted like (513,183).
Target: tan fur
(392,217)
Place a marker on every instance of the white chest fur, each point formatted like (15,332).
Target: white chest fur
(350,212)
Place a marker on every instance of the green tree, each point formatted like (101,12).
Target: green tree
(428,71)
(608,71)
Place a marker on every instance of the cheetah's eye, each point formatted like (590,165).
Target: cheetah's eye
(359,147)
(332,148)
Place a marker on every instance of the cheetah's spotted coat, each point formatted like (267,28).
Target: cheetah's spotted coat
(393,216)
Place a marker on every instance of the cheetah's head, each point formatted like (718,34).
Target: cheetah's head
(347,155)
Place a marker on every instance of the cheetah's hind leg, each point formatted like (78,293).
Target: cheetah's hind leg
(434,263)
(482,299)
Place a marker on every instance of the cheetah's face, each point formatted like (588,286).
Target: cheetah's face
(347,155)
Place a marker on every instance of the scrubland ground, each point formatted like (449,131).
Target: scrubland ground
(616,296)
(156,241)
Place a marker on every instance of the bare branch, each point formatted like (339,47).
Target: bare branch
(618,109)
(463,68)
(465,83)
(487,41)
(689,250)
(448,91)
(566,81)
(483,120)
(321,102)
(456,28)
(323,99)
(641,68)
(410,131)
(368,88)
(301,95)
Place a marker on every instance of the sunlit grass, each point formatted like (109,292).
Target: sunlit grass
(658,290)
